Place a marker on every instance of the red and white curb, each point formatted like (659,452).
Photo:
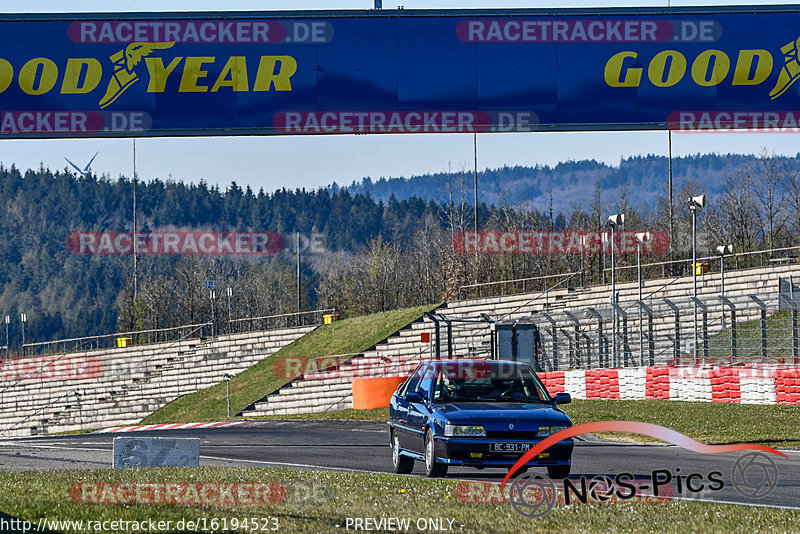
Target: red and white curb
(177,426)
(741,384)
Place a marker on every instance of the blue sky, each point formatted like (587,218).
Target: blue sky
(292,161)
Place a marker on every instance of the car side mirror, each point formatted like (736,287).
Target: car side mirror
(414,397)
(562,398)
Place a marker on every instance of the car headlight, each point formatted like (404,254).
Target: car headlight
(545,431)
(464,430)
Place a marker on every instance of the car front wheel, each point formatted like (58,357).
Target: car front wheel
(432,467)
(402,465)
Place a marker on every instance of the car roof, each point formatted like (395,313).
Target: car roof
(470,361)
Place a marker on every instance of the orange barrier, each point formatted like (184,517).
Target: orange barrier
(371,393)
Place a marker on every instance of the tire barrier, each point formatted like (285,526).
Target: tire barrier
(740,384)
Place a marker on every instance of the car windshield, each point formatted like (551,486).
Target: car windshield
(488,381)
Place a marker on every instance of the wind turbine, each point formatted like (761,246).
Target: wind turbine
(85,169)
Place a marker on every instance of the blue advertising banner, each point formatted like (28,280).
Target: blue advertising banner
(401,71)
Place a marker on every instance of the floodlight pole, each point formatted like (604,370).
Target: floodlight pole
(23,318)
(694,274)
(613,221)
(613,300)
(639,273)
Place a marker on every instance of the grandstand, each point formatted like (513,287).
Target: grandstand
(137,380)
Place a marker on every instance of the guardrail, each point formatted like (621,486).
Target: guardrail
(281,319)
(463,289)
(137,337)
(713,261)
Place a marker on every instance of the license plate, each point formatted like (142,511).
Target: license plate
(509,447)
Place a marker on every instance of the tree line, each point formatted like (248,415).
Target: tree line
(378,254)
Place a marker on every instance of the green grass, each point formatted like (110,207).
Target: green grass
(319,501)
(709,422)
(776,426)
(342,337)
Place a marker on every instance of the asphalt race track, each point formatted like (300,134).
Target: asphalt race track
(363,446)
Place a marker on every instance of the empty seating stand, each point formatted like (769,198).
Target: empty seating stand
(132,383)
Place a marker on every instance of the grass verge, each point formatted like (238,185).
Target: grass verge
(709,422)
(342,337)
(775,426)
(322,502)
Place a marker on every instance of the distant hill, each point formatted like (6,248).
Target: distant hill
(70,295)
(572,182)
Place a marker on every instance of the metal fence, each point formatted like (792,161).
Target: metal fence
(627,271)
(164,335)
(729,331)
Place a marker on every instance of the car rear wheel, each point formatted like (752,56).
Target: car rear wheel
(432,467)
(403,465)
(558,472)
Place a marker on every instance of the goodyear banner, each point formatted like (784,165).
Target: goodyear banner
(399,71)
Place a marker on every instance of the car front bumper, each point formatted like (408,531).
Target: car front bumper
(476,452)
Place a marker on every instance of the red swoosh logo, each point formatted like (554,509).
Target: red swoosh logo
(633,427)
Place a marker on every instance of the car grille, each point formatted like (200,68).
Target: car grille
(511,434)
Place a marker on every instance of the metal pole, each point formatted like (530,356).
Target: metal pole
(795,342)
(639,269)
(211,297)
(694,277)
(671,201)
(230,293)
(583,265)
(228,395)
(297,243)
(135,259)
(475,179)
(613,302)
(722,285)
(378,4)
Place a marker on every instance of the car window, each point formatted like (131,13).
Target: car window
(412,382)
(494,382)
(426,383)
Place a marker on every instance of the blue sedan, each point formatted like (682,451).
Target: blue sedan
(475,413)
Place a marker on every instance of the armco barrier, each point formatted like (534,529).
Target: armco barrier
(741,384)
(371,393)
